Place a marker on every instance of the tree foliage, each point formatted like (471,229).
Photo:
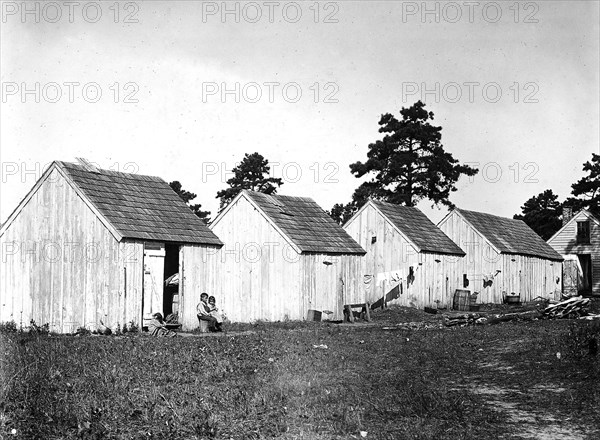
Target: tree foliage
(542,213)
(587,189)
(187,197)
(251,173)
(341,213)
(407,165)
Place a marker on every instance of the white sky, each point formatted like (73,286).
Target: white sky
(372,60)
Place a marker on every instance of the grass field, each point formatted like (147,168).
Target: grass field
(502,381)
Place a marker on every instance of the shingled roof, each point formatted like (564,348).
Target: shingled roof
(305,223)
(417,227)
(510,236)
(140,207)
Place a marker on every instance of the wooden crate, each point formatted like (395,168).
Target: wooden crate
(314,315)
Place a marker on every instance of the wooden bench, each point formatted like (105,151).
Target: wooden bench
(364,311)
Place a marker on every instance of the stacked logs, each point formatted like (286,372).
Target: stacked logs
(571,308)
(463,319)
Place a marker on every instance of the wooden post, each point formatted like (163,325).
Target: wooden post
(348,313)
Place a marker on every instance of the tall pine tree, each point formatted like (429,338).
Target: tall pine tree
(542,214)
(407,165)
(587,189)
(252,173)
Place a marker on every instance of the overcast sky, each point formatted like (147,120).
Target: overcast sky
(182,90)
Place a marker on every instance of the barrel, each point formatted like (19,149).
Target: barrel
(462,300)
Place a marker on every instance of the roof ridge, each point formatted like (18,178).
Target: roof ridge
(490,215)
(106,171)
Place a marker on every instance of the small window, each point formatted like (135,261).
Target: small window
(583,232)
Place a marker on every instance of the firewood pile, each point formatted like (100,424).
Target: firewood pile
(414,326)
(574,307)
(464,319)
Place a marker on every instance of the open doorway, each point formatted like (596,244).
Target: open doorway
(171,275)
(585,262)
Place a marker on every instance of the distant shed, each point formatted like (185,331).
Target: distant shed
(408,258)
(503,257)
(578,241)
(284,256)
(88,245)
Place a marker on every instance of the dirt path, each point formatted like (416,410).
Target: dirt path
(530,422)
(214,335)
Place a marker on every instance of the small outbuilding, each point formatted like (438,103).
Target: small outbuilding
(283,256)
(504,257)
(89,246)
(578,241)
(409,260)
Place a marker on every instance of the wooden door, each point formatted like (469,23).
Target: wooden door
(570,275)
(154,267)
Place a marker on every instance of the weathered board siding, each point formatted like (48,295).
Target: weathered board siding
(525,275)
(388,261)
(61,266)
(565,243)
(260,276)
(198,273)
(329,282)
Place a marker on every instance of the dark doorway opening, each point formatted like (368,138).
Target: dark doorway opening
(585,286)
(171,295)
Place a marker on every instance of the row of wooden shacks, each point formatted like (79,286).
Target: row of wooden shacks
(89,246)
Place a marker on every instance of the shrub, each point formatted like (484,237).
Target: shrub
(133,327)
(83,331)
(43,329)
(8,327)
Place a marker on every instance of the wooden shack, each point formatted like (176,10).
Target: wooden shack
(409,260)
(89,245)
(578,241)
(504,257)
(282,257)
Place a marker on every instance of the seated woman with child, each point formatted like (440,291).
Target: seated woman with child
(207,311)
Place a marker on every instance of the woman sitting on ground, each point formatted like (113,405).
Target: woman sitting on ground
(157,327)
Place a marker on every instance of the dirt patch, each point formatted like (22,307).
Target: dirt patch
(214,335)
(530,423)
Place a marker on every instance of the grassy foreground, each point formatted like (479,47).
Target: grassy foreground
(274,383)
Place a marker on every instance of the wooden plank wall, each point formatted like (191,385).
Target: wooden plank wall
(259,273)
(388,261)
(529,276)
(566,243)
(329,282)
(61,266)
(259,276)
(198,272)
